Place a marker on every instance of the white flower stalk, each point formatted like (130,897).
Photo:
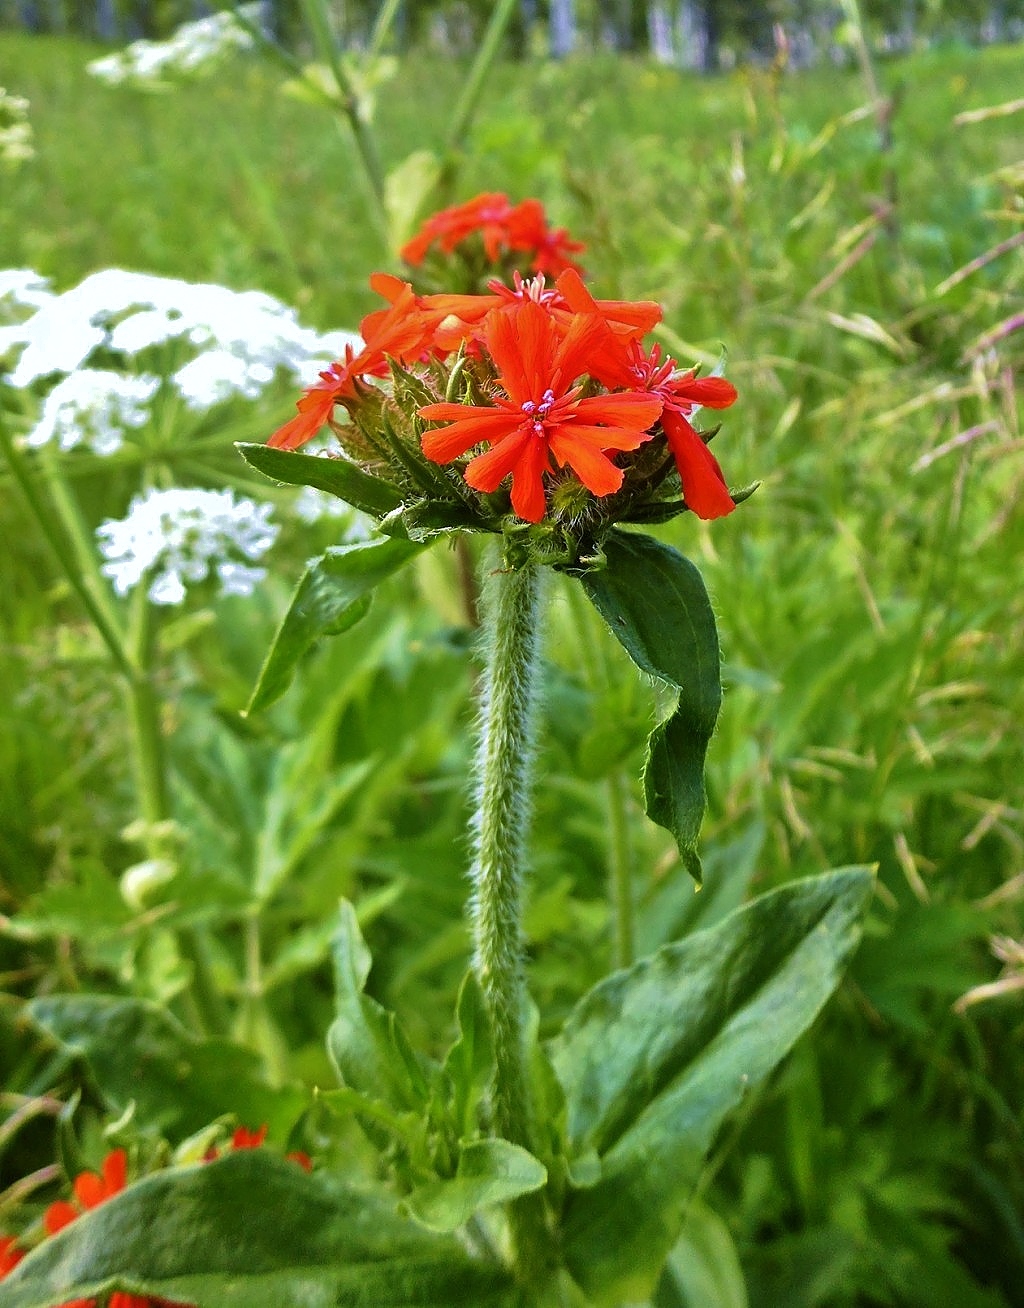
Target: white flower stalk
(94,407)
(195,49)
(15,131)
(176,538)
(238,339)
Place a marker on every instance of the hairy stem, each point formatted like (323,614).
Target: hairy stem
(504,766)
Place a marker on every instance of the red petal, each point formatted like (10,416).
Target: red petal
(59,1215)
(447,443)
(625,409)
(712,392)
(89,1190)
(487,471)
(115,1172)
(528,482)
(704,487)
(594,469)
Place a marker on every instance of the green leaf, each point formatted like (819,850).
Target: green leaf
(333,594)
(138,1054)
(254,1231)
(656,605)
(335,476)
(489,1172)
(703,1270)
(367,1046)
(406,189)
(470,1061)
(656,1056)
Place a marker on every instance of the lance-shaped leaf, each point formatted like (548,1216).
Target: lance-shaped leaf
(254,1231)
(137,1054)
(333,594)
(654,1058)
(366,1043)
(338,477)
(655,603)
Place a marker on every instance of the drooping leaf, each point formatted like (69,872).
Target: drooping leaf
(489,1172)
(656,605)
(333,594)
(338,477)
(655,1057)
(137,1053)
(254,1231)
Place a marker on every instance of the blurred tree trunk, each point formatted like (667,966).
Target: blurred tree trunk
(563,28)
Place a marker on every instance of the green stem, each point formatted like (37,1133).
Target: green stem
(67,556)
(620,871)
(486,55)
(504,766)
(315,12)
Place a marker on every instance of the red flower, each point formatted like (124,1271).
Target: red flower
(90,1189)
(543,415)
(487,214)
(623,363)
(243,1138)
(10,1255)
(402,331)
(528,230)
(502,227)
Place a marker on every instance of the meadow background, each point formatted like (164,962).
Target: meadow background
(868,597)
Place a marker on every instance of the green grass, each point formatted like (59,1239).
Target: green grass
(868,597)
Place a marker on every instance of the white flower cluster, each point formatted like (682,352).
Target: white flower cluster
(15,130)
(238,340)
(22,289)
(94,406)
(175,537)
(194,48)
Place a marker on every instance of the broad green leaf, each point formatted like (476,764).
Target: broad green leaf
(703,1270)
(656,605)
(138,1054)
(365,1042)
(337,477)
(333,594)
(656,1056)
(254,1231)
(489,1172)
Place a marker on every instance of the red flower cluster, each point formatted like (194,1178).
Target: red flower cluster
(503,227)
(90,1189)
(572,387)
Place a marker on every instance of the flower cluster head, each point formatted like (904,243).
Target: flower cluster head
(537,401)
(107,346)
(174,538)
(509,236)
(16,145)
(196,47)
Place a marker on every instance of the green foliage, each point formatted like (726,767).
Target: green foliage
(332,595)
(654,1058)
(870,624)
(256,1231)
(655,604)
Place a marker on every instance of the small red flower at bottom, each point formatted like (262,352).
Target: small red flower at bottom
(10,1255)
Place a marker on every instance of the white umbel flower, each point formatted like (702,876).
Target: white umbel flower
(250,335)
(195,48)
(174,538)
(94,407)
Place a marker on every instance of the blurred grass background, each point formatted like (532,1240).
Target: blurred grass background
(868,595)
